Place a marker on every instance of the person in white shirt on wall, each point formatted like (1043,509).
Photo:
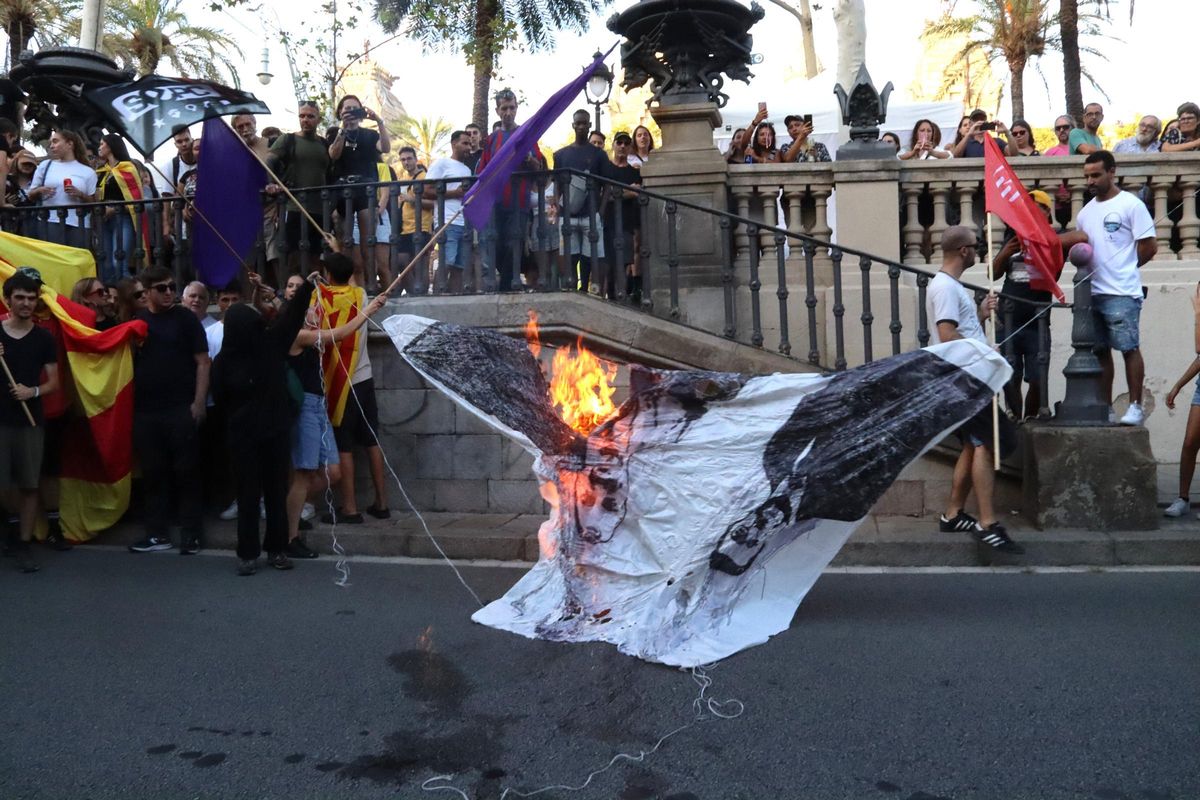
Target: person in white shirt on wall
(64,179)
(1121,233)
(452,247)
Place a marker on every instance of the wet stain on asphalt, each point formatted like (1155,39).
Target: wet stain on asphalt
(294,758)
(191,754)
(682,796)
(210,760)
(345,612)
(160,749)
(431,678)
(329,766)
(643,784)
(886,786)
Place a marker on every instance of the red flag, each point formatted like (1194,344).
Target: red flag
(1007,199)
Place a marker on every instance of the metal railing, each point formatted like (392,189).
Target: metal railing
(803,306)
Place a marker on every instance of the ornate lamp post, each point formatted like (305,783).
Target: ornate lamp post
(599,87)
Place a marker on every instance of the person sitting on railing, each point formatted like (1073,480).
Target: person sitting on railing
(643,144)
(120,180)
(802,148)
(925,142)
(736,150)
(1022,138)
(1186,137)
(64,179)
(1142,142)
(1062,131)
(971,145)
(1191,435)
(953,314)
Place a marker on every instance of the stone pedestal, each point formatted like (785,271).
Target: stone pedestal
(1100,479)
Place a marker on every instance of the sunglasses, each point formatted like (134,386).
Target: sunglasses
(139,294)
(97,290)
(163,288)
(1062,127)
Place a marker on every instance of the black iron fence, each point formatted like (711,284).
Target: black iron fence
(561,230)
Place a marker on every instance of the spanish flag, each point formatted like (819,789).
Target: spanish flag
(339,305)
(97,456)
(128,180)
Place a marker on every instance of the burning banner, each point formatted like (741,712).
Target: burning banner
(691,520)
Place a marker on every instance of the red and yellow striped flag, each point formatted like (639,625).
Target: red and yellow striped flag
(339,305)
(97,457)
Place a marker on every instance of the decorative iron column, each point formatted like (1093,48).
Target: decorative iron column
(1082,405)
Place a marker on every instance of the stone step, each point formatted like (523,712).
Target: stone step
(881,541)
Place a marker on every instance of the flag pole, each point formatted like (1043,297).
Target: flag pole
(428,246)
(189,203)
(13,383)
(992,338)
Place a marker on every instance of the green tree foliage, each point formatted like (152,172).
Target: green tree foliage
(483,29)
(146,33)
(40,22)
(1016,33)
(428,135)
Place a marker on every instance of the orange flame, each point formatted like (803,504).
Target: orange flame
(581,386)
(531,335)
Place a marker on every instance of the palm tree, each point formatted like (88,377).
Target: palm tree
(43,22)
(484,30)
(1068,15)
(427,134)
(144,33)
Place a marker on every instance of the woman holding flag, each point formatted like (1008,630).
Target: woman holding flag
(119,179)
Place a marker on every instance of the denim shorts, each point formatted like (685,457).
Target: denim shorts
(1117,318)
(313,443)
(452,250)
(1196,394)
(382,233)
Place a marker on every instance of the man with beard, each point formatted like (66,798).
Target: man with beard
(1144,141)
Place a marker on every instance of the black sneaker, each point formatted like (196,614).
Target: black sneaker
(296,548)
(995,537)
(247,566)
(56,541)
(190,546)
(961,523)
(151,544)
(25,562)
(305,525)
(279,561)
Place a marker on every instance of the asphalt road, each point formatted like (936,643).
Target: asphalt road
(157,676)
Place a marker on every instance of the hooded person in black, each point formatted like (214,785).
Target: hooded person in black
(250,382)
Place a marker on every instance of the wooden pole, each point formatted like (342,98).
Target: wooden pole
(13,383)
(992,339)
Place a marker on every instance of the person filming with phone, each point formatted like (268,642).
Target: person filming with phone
(925,142)
(971,145)
(353,153)
(802,147)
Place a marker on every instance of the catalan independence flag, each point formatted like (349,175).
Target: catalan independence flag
(339,305)
(97,457)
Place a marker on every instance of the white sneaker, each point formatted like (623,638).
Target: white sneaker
(308,512)
(1177,508)
(262,510)
(1112,416)
(1134,416)
(229,513)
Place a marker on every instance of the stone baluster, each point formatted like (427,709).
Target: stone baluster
(964,191)
(941,192)
(770,214)
(741,198)
(1162,223)
(1189,223)
(914,234)
(1077,188)
(793,209)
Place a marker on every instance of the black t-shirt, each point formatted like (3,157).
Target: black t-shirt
(629,207)
(26,357)
(164,368)
(307,366)
(360,153)
(472,159)
(581,158)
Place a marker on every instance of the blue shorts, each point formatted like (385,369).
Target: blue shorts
(382,233)
(1196,394)
(452,250)
(1117,318)
(313,444)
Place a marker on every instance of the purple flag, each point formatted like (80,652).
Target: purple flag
(487,189)
(228,188)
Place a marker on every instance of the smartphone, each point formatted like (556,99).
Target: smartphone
(988,126)
(808,119)
(923,137)
(762,107)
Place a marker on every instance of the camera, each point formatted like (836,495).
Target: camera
(987,126)
(361,113)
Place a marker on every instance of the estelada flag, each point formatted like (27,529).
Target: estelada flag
(1007,199)
(339,305)
(97,455)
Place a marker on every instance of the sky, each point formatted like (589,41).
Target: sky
(439,83)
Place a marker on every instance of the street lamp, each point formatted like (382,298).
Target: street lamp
(599,86)
(264,75)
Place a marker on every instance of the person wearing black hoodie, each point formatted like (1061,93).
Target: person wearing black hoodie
(250,382)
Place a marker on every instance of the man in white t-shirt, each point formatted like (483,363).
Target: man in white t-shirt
(451,255)
(953,314)
(1121,233)
(64,180)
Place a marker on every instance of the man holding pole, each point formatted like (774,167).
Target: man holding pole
(953,314)
(26,351)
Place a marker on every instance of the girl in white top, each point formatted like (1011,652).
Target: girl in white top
(64,178)
(925,142)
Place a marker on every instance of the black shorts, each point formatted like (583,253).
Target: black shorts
(55,430)
(316,241)
(407,244)
(977,431)
(358,424)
